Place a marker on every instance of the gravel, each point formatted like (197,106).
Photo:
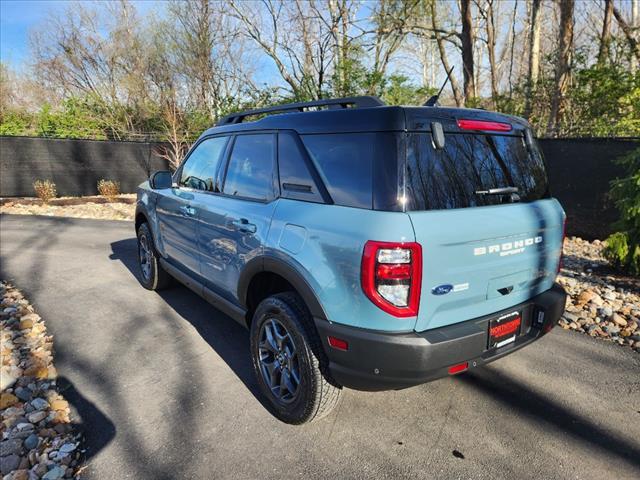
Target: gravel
(35,417)
(602,303)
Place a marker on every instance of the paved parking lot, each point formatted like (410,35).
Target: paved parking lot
(163,386)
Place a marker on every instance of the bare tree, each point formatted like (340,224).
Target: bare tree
(490,26)
(534,54)
(467,50)
(563,61)
(438,34)
(605,38)
(628,33)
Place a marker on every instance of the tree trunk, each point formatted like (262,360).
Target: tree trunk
(634,23)
(491,51)
(534,55)
(457,95)
(467,49)
(605,38)
(562,66)
(628,32)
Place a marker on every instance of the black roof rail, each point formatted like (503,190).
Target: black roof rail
(358,102)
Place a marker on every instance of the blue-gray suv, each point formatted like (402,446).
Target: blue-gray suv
(365,246)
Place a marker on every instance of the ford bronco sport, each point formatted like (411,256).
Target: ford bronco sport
(364,246)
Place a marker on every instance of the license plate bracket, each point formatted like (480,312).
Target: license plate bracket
(504,329)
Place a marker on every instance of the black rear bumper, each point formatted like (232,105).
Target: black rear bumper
(387,361)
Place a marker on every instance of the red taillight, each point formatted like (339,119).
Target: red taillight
(392,276)
(338,343)
(484,125)
(564,235)
(461,367)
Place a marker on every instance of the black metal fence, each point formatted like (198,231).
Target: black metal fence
(580,171)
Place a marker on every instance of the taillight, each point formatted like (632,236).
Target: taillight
(392,275)
(564,235)
(484,125)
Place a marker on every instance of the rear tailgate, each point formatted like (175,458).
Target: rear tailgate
(477,261)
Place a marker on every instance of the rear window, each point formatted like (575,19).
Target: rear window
(451,177)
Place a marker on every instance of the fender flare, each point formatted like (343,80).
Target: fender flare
(267,263)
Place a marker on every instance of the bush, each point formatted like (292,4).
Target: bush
(623,247)
(108,188)
(45,190)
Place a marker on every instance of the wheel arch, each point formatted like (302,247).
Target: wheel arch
(272,268)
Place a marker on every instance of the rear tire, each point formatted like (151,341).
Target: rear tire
(152,275)
(288,360)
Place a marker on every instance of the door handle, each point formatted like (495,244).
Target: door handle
(243,225)
(188,210)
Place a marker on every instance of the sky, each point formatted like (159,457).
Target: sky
(17,17)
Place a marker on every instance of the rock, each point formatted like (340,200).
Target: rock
(67,448)
(36,416)
(7,379)
(24,394)
(9,463)
(619,320)
(11,446)
(22,474)
(40,469)
(605,311)
(7,400)
(609,295)
(59,404)
(55,473)
(39,403)
(612,330)
(31,442)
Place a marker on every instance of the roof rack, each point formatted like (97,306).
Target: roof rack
(358,102)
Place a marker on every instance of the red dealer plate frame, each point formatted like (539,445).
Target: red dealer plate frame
(504,329)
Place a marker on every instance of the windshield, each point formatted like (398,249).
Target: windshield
(462,174)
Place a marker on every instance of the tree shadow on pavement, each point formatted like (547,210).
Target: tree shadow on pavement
(519,397)
(228,338)
(101,431)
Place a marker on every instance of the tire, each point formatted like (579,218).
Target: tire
(293,359)
(152,275)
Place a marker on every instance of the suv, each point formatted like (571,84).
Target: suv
(364,246)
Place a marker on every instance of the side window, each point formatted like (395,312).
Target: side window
(345,163)
(199,171)
(296,181)
(250,171)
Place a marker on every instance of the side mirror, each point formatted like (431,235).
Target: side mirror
(437,135)
(160,180)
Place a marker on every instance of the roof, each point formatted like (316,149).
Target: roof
(354,114)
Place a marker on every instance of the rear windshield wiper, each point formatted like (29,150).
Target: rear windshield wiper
(497,191)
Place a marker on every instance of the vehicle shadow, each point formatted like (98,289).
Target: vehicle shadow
(228,338)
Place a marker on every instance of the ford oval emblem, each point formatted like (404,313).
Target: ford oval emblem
(442,289)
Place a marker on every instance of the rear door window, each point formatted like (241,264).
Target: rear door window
(250,172)
(470,163)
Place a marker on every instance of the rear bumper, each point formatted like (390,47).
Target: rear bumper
(386,361)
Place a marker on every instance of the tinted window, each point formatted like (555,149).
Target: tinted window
(452,176)
(250,170)
(199,171)
(296,181)
(345,163)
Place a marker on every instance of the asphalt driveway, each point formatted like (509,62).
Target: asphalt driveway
(163,386)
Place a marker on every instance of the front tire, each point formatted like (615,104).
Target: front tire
(288,360)
(152,275)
